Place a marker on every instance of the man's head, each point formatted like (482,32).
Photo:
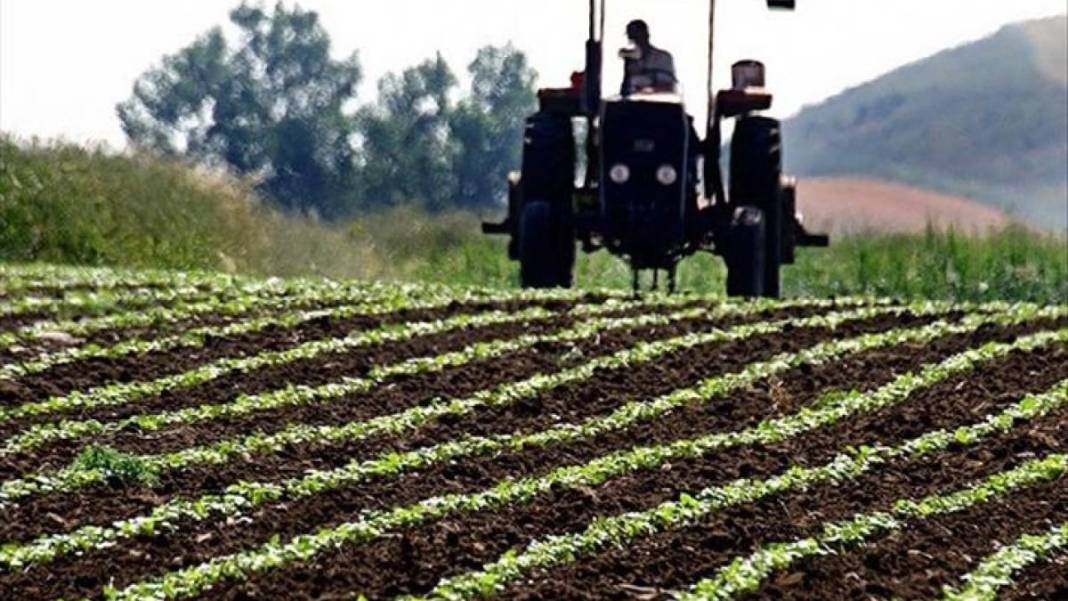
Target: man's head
(638,32)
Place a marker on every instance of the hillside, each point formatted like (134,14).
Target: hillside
(988,120)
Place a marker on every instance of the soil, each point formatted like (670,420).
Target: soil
(914,562)
(28,349)
(104,504)
(413,561)
(90,373)
(1047,580)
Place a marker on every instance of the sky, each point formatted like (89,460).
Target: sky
(64,64)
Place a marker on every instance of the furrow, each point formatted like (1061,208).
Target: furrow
(265,297)
(294,395)
(920,560)
(263,334)
(99,504)
(277,554)
(673,559)
(623,530)
(383,488)
(18,312)
(745,575)
(393,299)
(224,451)
(155,293)
(1046,579)
(117,395)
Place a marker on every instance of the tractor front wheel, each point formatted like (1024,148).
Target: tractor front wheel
(546,248)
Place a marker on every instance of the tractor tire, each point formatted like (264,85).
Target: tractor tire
(546,248)
(746,262)
(549,159)
(756,180)
(546,245)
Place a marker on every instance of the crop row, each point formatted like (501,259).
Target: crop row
(18,278)
(832,408)
(196,337)
(393,299)
(15,279)
(244,496)
(745,575)
(266,297)
(277,554)
(97,301)
(293,394)
(121,394)
(153,292)
(247,496)
(220,452)
(997,571)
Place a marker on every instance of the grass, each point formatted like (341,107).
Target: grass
(61,203)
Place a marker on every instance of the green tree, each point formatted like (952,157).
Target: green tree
(406,145)
(419,144)
(272,107)
(488,124)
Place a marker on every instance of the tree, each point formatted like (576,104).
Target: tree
(406,145)
(272,107)
(419,145)
(487,126)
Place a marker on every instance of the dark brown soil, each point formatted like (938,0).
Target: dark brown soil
(28,349)
(955,402)
(489,534)
(314,372)
(1047,580)
(82,375)
(416,559)
(915,562)
(104,504)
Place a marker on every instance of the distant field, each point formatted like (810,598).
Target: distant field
(68,205)
(852,205)
(170,435)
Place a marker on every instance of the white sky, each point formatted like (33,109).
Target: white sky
(64,64)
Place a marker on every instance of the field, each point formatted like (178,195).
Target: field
(61,203)
(171,436)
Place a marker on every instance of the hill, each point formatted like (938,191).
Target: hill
(987,120)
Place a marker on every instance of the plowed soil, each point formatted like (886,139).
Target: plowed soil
(914,562)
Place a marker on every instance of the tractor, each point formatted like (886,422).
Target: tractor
(630,175)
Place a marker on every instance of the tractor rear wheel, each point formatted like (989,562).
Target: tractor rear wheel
(756,180)
(546,237)
(746,263)
(546,248)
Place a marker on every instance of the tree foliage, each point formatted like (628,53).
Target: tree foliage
(488,125)
(273,107)
(276,107)
(421,144)
(407,147)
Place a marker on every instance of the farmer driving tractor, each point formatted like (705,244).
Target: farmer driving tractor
(647,68)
